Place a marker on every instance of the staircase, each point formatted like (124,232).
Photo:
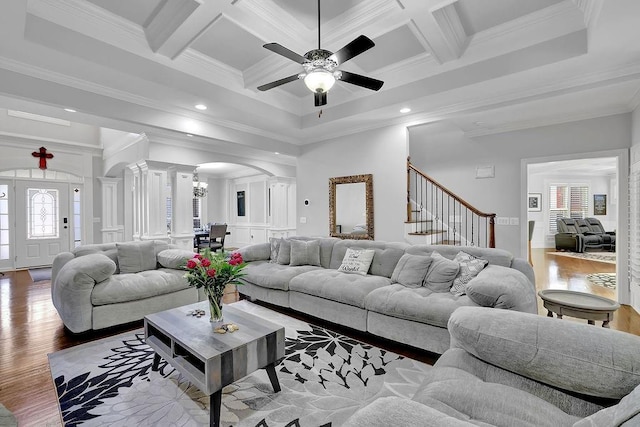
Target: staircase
(436,216)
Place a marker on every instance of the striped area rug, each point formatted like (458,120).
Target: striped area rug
(325,377)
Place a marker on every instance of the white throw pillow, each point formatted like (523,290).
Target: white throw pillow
(357,261)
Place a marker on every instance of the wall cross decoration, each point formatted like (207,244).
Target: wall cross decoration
(43,155)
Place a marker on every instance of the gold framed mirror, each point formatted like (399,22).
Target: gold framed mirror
(351,207)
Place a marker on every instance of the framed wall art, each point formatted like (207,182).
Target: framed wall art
(534,202)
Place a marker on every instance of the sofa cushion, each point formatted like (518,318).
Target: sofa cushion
(470,266)
(134,257)
(257,252)
(625,413)
(274,245)
(419,304)
(576,357)
(385,258)
(336,286)
(174,258)
(411,270)
(494,256)
(284,252)
(357,261)
(305,252)
(396,411)
(503,287)
(458,394)
(145,284)
(273,276)
(441,273)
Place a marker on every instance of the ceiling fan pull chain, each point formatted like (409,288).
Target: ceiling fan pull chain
(318,24)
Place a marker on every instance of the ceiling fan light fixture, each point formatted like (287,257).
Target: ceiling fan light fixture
(319,80)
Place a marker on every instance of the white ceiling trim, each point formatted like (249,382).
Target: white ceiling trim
(451,27)
(557,17)
(547,121)
(171,15)
(87,18)
(203,66)
(271,14)
(18,140)
(591,10)
(635,100)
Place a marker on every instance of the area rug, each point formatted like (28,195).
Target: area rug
(607,280)
(608,257)
(325,377)
(40,274)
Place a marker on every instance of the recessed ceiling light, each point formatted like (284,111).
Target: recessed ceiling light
(405,110)
(201,107)
(276,152)
(478,123)
(189,135)
(69,110)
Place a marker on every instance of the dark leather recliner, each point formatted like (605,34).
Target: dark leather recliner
(608,237)
(575,235)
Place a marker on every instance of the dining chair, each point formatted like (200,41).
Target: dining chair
(217,233)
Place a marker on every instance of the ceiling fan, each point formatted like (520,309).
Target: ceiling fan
(321,67)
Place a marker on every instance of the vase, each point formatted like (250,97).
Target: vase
(215,308)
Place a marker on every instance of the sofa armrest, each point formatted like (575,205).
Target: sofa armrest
(256,252)
(503,287)
(58,262)
(72,288)
(571,356)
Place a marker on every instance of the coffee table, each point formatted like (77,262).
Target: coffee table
(578,304)
(209,360)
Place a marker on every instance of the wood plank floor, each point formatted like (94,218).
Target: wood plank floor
(30,329)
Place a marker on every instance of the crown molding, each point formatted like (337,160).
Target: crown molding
(167,19)
(271,14)
(447,18)
(203,66)
(634,103)
(591,10)
(557,16)
(87,18)
(18,140)
(547,121)
(107,152)
(38,118)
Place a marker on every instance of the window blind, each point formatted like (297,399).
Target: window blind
(566,201)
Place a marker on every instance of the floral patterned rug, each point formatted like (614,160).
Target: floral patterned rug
(325,377)
(607,280)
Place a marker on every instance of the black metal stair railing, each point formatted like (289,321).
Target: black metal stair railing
(434,211)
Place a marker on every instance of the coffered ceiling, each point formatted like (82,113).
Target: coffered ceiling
(482,66)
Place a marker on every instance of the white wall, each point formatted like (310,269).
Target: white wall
(451,158)
(382,153)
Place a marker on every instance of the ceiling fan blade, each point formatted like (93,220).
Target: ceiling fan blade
(281,50)
(355,48)
(320,99)
(278,83)
(359,80)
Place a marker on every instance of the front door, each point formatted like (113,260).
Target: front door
(42,222)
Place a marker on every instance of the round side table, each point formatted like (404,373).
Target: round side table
(578,304)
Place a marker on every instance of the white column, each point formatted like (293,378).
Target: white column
(136,197)
(111,230)
(282,207)
(182,205)
(154,200)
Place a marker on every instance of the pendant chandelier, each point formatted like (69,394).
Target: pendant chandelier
(199,188)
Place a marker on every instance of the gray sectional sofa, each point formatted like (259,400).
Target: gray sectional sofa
(376,302)
(101,285)
(506,368)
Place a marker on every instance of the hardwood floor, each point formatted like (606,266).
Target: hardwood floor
(30,329)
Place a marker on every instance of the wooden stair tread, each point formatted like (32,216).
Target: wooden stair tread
(426,233)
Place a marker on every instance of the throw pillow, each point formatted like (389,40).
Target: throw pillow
(174,258)
(411,270)
(470,266)
(305,252)
(275,248)
(357,261)
(441,273)
(284,252)
(134,257)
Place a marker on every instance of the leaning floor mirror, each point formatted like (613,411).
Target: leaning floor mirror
(351,207)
